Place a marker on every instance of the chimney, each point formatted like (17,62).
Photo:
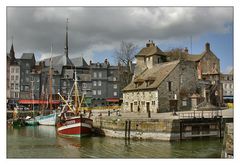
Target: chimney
(148,44)
(105,61)
(186,50)
(207,46)
(90,62)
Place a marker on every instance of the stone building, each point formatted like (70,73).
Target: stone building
(27,63)
(157,83)
(227,85)
(105,83)
(193,81)
(208,71)
(13,77)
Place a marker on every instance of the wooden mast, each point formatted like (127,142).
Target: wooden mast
(76,99)
(50,81)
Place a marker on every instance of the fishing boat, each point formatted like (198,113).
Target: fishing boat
(73,123)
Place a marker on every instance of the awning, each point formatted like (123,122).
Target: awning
(112,99)
(227,97)
(38,102)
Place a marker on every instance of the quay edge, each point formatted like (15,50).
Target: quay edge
(158,129)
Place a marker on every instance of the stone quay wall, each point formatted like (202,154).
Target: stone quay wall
(166,129)
(227,151)
(157,129)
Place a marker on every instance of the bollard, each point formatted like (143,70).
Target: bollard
(149,114)
(126,126)
(129,128)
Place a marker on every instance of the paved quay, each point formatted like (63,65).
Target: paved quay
(227,113)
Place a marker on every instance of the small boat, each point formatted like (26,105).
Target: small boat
(31,121)
(76,125)
(50,119)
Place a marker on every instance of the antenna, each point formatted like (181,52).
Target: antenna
(191,44)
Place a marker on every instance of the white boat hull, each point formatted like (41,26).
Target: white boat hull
(50,119)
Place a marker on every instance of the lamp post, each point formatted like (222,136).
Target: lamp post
(217,101)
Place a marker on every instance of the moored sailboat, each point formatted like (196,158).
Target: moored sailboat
(50,119)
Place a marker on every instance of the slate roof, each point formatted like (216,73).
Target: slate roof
(27,56)
(59,61)
(79,62)
(157,74)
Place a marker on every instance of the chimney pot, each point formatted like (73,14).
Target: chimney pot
(207,46)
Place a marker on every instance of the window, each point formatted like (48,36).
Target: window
(12,70)
(99,83)
(99,92)
(26,88)
(114,86)
(64,83)
(114,79)
(94,92)
(16,86)
(16,95)
(84,85)
(94,83)
(135,103)
(27,64)
(16,77)
(114,93)
(12,85)
(153,102)
(12,77)
(169,86)
(100,74)
(27,71)
(181,79)
(126,103)
(184,103)
(17,70)
(27,79)
(95,74)
(21,87)
(143,102)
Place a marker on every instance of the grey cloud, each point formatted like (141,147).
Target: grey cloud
(35,28)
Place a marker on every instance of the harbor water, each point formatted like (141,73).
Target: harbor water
(43,142)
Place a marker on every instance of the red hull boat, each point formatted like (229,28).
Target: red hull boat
(72,121)
(75,127)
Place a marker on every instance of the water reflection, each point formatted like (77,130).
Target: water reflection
(43,142)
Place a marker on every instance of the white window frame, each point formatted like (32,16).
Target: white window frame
(114,86)
(94,83)
(95,74)
(94,92)
(99,92)
(100,74)
(115,93)
(99,83)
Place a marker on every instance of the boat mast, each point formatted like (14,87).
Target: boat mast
(32,97)
(50,81)
(76,94)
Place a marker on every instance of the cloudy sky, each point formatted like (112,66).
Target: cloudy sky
(95,32)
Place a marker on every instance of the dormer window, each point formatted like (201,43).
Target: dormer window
(149,81)
(138,82)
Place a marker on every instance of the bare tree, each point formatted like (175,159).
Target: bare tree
(124,56)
